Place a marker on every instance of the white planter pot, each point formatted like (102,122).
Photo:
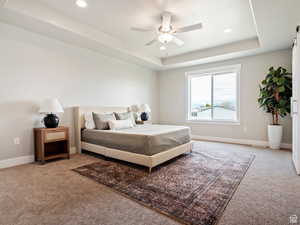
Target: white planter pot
(274,136)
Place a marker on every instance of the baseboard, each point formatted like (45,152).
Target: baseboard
(16,161)
(286,146)
(30,158)
(23,160)
(258,143)
(73,150)
(296,166)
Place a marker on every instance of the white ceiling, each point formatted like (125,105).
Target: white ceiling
(115,17)
(104,26)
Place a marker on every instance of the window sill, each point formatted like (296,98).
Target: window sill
(214,122)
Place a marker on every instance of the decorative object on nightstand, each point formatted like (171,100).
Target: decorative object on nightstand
(51,143)
(49,107)
(145,109)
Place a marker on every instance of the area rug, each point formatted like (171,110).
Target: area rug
(193,189)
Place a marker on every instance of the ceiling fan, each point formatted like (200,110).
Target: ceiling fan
(166,33)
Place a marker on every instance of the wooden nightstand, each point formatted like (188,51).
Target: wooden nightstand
(51,143)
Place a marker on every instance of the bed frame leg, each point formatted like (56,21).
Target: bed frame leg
(150,169)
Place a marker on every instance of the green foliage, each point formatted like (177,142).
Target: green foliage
(275,93)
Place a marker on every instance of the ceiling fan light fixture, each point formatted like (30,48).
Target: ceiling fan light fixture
(165,38)
(81,3)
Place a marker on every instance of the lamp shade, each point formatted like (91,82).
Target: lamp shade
(135,108)
(51,106)
(145,108)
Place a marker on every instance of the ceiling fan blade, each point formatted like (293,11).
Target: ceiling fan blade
(151,42)
(197,26)
(166,22)
(142,29)
(177,41)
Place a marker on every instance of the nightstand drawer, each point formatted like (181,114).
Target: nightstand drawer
(52,136)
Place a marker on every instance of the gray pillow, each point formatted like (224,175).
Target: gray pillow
(125,116)
(101,120)
(122,116)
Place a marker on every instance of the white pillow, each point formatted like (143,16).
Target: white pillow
(120,124)
(89,121)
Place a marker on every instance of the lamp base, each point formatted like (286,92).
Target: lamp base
(51,121)
(144,116)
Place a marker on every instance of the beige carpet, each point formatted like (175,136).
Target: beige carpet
(53,194)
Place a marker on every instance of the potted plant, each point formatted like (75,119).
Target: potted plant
(274,98)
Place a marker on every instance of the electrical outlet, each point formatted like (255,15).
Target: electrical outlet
(245,129)
(17,141)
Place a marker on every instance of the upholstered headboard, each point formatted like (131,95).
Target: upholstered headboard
(79,118)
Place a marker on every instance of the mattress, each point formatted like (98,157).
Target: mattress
(142,139)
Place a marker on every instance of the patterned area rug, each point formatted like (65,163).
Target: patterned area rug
(192,189)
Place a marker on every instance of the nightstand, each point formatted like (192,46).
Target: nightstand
(144,122)
(51,143)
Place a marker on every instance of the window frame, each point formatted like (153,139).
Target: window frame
(213,72)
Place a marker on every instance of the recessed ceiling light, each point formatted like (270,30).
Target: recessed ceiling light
(81,3)
(162,48)
(228,30)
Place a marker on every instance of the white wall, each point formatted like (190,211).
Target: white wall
(254,121)
(33,67)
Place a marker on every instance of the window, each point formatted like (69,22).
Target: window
(213,95)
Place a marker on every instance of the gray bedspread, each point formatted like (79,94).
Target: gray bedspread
(142,139)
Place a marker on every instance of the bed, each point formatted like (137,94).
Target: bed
(146,145)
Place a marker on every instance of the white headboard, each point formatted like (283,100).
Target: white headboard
(79,118)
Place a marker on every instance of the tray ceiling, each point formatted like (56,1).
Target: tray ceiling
(104,26)
(115,18)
